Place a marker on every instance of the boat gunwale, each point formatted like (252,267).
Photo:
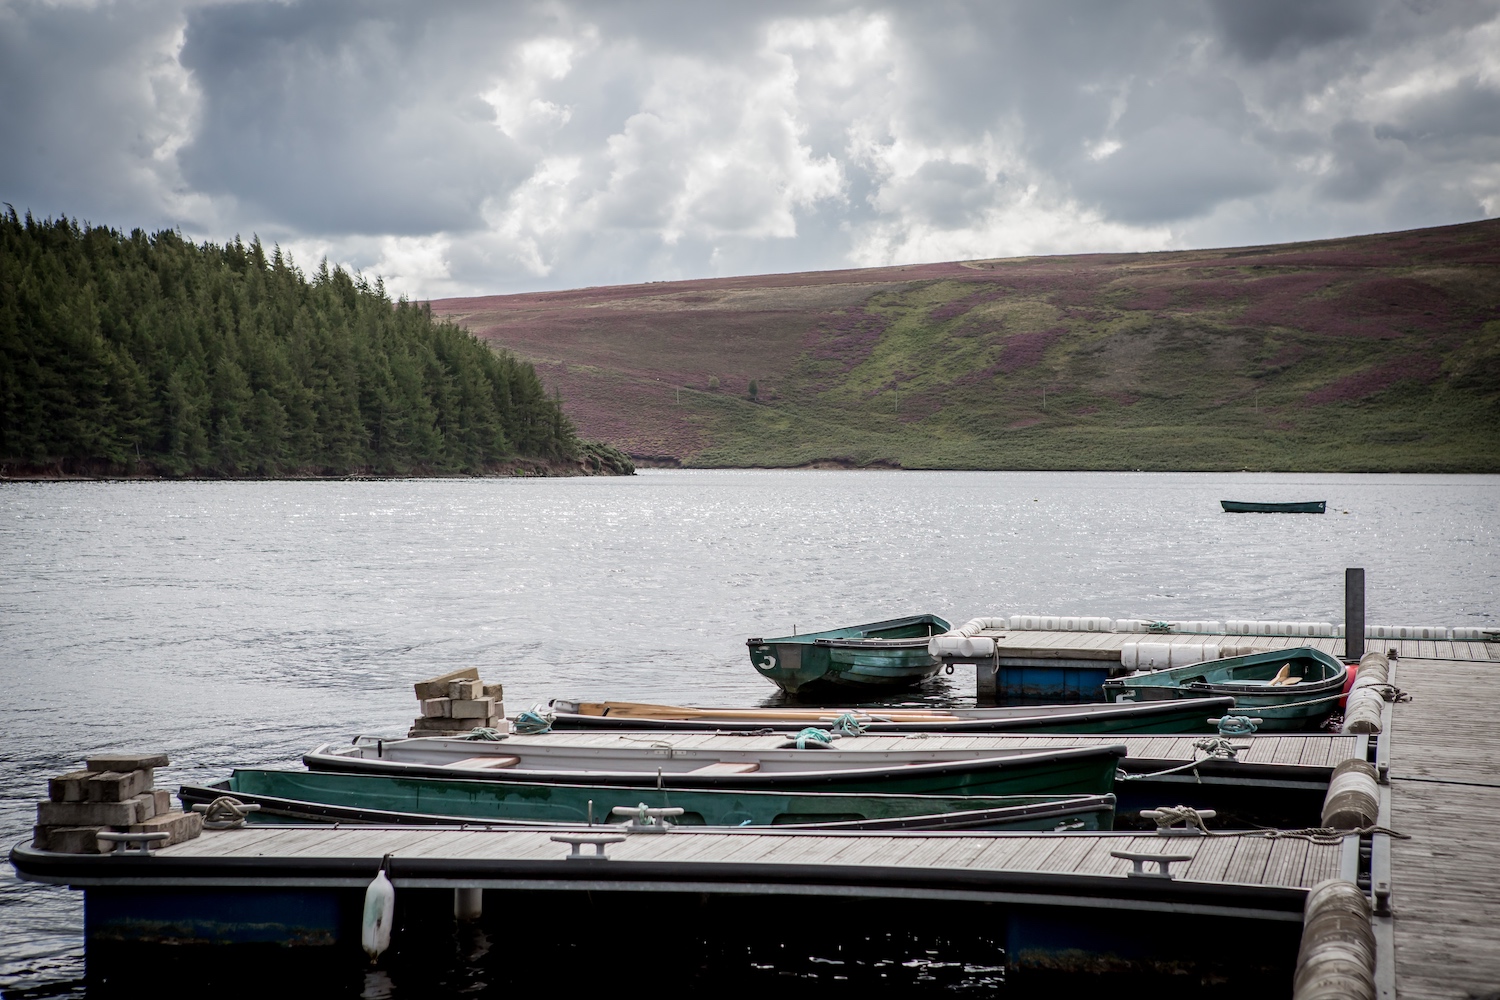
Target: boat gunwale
(319,760)
(807,638)
(1062,807)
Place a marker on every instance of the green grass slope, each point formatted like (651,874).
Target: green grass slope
(1372,353)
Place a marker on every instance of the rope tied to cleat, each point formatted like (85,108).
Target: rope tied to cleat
(848,724)
(1213,747)
(534,722)
(1237,725)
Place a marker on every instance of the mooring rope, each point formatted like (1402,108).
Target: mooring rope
(226,813)
(812,737)
(848,724)
(485,733)
(534,722)
(1237,725)
(1213,747)
(1166,816)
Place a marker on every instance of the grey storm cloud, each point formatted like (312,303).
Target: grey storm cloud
(470,147)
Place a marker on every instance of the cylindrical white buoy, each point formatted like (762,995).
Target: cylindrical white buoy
(380,907)
(1364,711)
(1374,664)
(1337,957)
(1353,799)
(468,904)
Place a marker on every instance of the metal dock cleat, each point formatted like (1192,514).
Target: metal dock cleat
(577,840)
(142,841)
(1167,818)
(645,819)
(1139,861)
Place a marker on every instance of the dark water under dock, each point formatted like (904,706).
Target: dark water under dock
(240,623)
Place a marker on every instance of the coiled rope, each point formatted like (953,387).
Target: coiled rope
(485,733)
(1236,725)
(1167,816)
(848,724)
(226,813)
(534,722)
(813,737)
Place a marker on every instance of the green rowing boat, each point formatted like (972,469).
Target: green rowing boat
(1076,719)
(364,798)
(1294,507)
(888,654)
(890,764)
(1288,689)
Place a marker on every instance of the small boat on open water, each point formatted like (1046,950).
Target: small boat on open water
(329,797)
(1288,689)
(890,764)
(1295,507)
(888,654)
(1079,719)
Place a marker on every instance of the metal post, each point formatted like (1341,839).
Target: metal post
(1354,614)
(468,904)
(984,681)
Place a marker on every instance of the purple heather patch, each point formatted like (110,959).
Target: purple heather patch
(847,337)
(1025,350)
(1414,367)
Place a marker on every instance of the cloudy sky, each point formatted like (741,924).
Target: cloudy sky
(460,148)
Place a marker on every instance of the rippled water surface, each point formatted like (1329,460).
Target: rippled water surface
(240,623)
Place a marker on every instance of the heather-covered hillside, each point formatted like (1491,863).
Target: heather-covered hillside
(1367,353)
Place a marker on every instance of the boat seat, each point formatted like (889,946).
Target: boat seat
(468,763)
(727,767)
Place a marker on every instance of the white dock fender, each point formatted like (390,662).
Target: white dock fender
(1353,799)
(1364,710)
(380,907)
(1337,957)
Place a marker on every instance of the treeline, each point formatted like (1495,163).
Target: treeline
(152,355)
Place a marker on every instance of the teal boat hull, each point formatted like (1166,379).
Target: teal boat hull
(362,798)
(1298,707)
(875,656)
(1064,770)
(1250,507)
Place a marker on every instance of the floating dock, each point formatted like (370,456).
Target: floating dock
(1232,907)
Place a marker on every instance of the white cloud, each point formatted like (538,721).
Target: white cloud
(573,142)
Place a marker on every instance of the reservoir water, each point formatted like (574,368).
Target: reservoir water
(241,623)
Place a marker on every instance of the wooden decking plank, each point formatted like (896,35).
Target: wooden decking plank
(1247,866)
(1212,860)
(1285,863)
(1288,750)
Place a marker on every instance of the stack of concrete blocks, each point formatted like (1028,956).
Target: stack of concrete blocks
(457,703)
(113,793)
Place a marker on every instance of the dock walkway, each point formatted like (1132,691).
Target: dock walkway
(1443,938)
(1445,793)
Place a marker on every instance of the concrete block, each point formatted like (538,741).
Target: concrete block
(437,687)
(70,839)
(163,801)
(479,708)
(444,725)
(116,786)
(467,690)
(70,787)
(182,826)
(145,805)
(126,761)
(87,813)
(495,691)
(437,708)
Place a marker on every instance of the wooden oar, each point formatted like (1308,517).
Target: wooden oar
(646,710)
